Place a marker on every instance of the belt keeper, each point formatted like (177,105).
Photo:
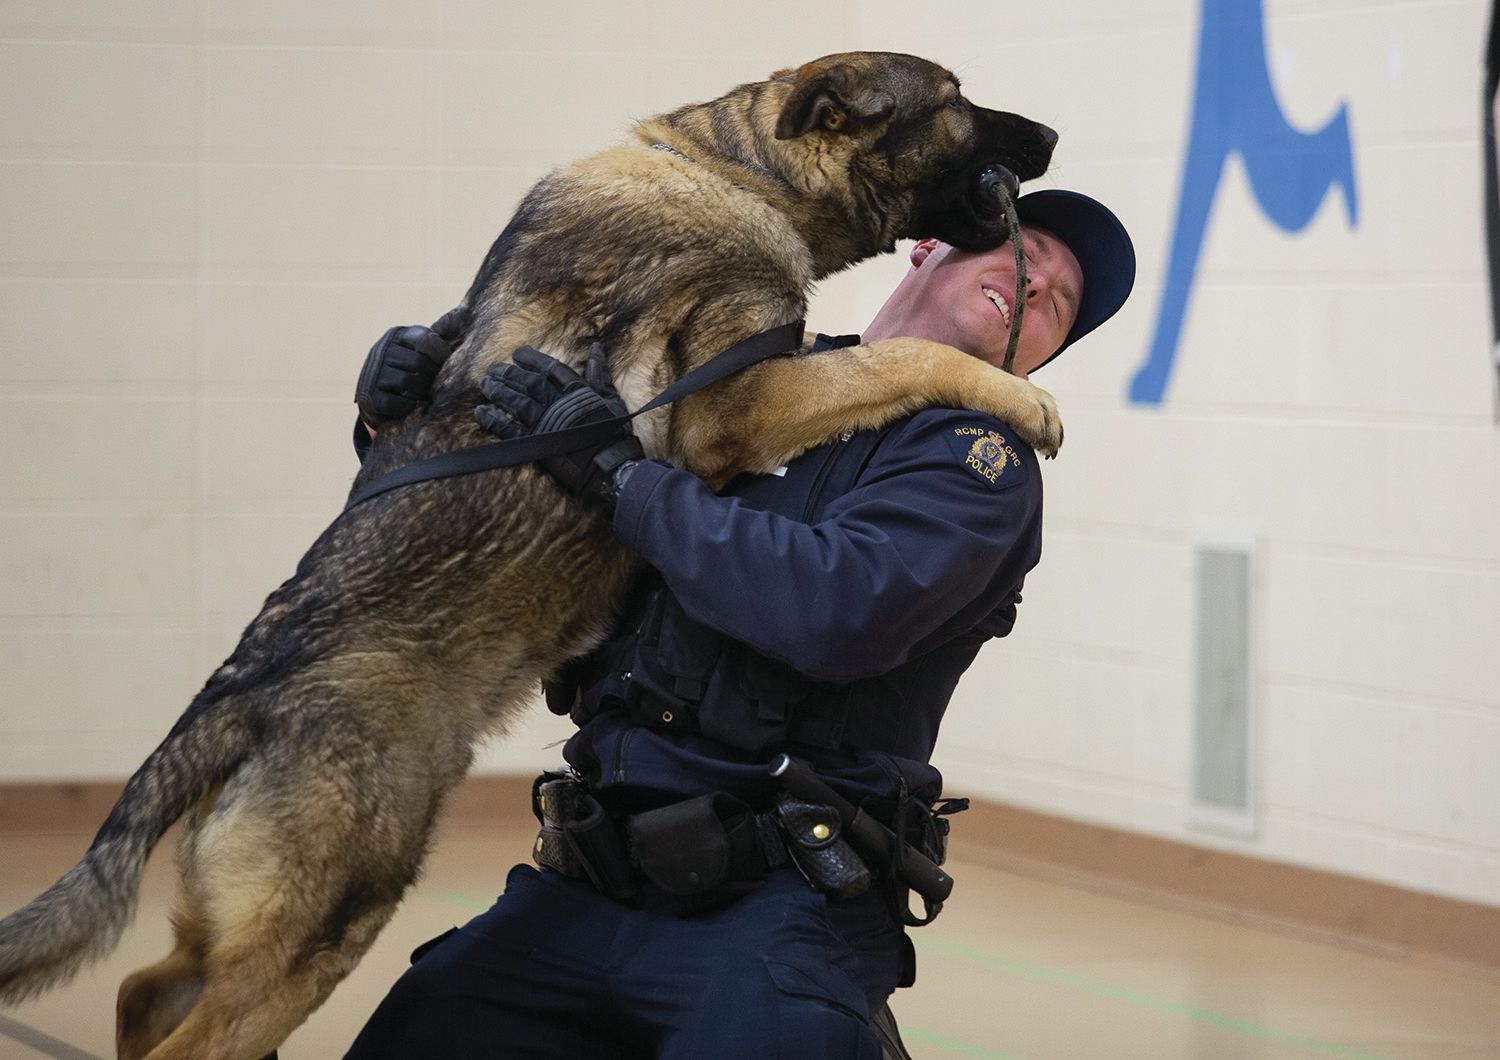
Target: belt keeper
(557,798)
(553,851)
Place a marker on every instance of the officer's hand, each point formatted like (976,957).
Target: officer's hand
(400,369)
(539,394)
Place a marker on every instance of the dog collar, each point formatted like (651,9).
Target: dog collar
(670,150)
(755,168)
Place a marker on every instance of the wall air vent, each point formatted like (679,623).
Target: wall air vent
(1222,788)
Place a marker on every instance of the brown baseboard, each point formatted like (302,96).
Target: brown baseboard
(492,800)
(41,808)
(1327,906)
(64,807)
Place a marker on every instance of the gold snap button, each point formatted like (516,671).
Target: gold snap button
(821,831)
(538,844)
(666,717)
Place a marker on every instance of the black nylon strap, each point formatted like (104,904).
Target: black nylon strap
(508,453)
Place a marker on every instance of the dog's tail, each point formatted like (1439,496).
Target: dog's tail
(81,916)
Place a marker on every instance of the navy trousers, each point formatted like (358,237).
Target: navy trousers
(556,969)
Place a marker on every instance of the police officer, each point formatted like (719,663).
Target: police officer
(689,905)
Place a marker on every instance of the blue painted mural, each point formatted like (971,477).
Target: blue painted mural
(1235,112)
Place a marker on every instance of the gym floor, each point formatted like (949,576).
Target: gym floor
(1015,967)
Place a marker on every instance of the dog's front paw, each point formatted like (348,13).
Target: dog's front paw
(1031,412)
(1044,430)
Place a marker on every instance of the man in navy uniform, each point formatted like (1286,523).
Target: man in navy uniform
(687,907)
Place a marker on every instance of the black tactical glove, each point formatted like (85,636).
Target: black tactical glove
(539,394)
(401,368)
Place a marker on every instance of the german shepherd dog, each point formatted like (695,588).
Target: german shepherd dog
(312,765)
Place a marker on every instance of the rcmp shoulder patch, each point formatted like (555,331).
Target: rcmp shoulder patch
(987,454)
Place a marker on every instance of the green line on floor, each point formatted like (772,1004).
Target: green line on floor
(914,1035)
(1105,988)
(465,900)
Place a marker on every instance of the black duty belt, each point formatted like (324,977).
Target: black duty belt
(702,851)
(511,452)
(711,849)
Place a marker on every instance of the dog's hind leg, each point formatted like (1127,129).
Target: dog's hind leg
(250,1001)
(294,886)
(154,1000)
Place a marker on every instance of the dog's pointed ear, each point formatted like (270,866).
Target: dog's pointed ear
(834,99)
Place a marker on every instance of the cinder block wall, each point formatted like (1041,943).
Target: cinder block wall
(1333,400)
(212,210)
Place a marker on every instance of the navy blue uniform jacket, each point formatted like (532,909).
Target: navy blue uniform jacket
(894,589)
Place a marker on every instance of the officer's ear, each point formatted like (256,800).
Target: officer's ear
(921,250)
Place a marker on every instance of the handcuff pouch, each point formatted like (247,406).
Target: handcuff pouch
(685,848)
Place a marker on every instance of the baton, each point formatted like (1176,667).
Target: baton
(918,871)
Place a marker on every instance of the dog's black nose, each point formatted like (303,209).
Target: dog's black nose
(1048,135)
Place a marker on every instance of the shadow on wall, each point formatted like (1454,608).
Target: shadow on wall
(1492,179)
(1235,110)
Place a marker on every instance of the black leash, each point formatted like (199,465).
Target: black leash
(773,343)
(1018,310)
(992,182)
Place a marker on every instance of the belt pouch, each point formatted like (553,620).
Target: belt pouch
(685,848)
(815,839)
(595,841)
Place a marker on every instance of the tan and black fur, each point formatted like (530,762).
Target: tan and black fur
(312,765)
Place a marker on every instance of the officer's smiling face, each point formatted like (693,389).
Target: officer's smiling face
(967,300)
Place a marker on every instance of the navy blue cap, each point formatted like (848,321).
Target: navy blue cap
(1100,243)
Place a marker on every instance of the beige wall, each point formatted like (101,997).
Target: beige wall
(1334,401)
(211,209)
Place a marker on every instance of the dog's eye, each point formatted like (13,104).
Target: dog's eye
(955,103)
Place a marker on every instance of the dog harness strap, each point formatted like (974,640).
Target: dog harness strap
(776,342)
